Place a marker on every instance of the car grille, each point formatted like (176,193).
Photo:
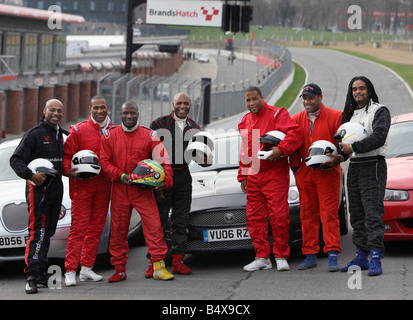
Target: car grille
(15,217)
(408,223)
(199,245)
(218,218)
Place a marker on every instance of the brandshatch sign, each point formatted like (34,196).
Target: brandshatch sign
(188,13)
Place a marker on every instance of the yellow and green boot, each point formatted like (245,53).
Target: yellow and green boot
(160,272)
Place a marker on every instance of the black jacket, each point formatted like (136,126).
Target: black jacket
(178,141)
(41,141)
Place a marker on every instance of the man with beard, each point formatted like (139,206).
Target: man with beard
(367,173)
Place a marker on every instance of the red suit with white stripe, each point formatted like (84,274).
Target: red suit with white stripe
(121,152)
(267,181)
(319,189)
(90,198)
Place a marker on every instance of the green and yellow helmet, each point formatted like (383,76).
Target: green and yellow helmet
(148,173)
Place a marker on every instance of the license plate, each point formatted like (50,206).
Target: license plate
(226,234)
(13,241)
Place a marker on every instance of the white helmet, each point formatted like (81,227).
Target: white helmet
(87,164)
(269,140)
(200,148)
(350,132)
(317,153)
(43,166)
(205,138)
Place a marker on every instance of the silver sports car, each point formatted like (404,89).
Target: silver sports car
(14,215)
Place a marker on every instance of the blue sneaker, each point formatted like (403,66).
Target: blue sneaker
(360,260)
(309,262)
(375,268)
(332,261)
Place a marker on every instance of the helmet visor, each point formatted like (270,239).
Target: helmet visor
(269,140)
(340,134)
(319,151)
(86,160)
(47,171)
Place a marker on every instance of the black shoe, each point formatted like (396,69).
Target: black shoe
(31,285)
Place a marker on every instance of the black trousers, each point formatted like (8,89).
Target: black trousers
(366,183)
(44,206)
(178,198)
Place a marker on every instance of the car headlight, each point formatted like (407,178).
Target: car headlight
(62,213)
(293,196)
(396,195)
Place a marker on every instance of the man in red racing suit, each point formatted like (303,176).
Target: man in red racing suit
(123,148)
(90,198)
(319,188)
(266,182)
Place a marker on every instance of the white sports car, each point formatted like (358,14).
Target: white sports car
(14,215)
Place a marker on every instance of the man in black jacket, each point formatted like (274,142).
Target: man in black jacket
(175,130)
(44,200)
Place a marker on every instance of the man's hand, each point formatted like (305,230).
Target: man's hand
(72,174)
(39,178)
(126,180)
(275,155)
(346,148)
(158,192)
(333,162)
(244,186)
(161,187)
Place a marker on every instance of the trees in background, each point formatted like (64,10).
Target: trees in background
(386,16)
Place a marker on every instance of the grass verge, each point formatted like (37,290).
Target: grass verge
(290,94)
(404,70)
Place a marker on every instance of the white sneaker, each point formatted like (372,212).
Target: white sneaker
(282,264)
(70,278)
(259,264)
(87,274)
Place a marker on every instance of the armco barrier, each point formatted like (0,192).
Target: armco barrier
(145,90)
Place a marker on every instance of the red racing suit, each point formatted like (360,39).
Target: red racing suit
(121,152)
(319,189)
(267,181)
(90,198)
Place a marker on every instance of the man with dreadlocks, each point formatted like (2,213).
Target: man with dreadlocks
(367,173)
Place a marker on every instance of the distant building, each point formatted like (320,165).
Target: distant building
(34,66)
(114,11)
(12,2)
(32,62)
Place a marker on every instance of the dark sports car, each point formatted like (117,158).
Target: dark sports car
(218,218)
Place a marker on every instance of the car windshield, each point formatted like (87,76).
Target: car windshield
(226,155)
(399,140)
(6,172)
